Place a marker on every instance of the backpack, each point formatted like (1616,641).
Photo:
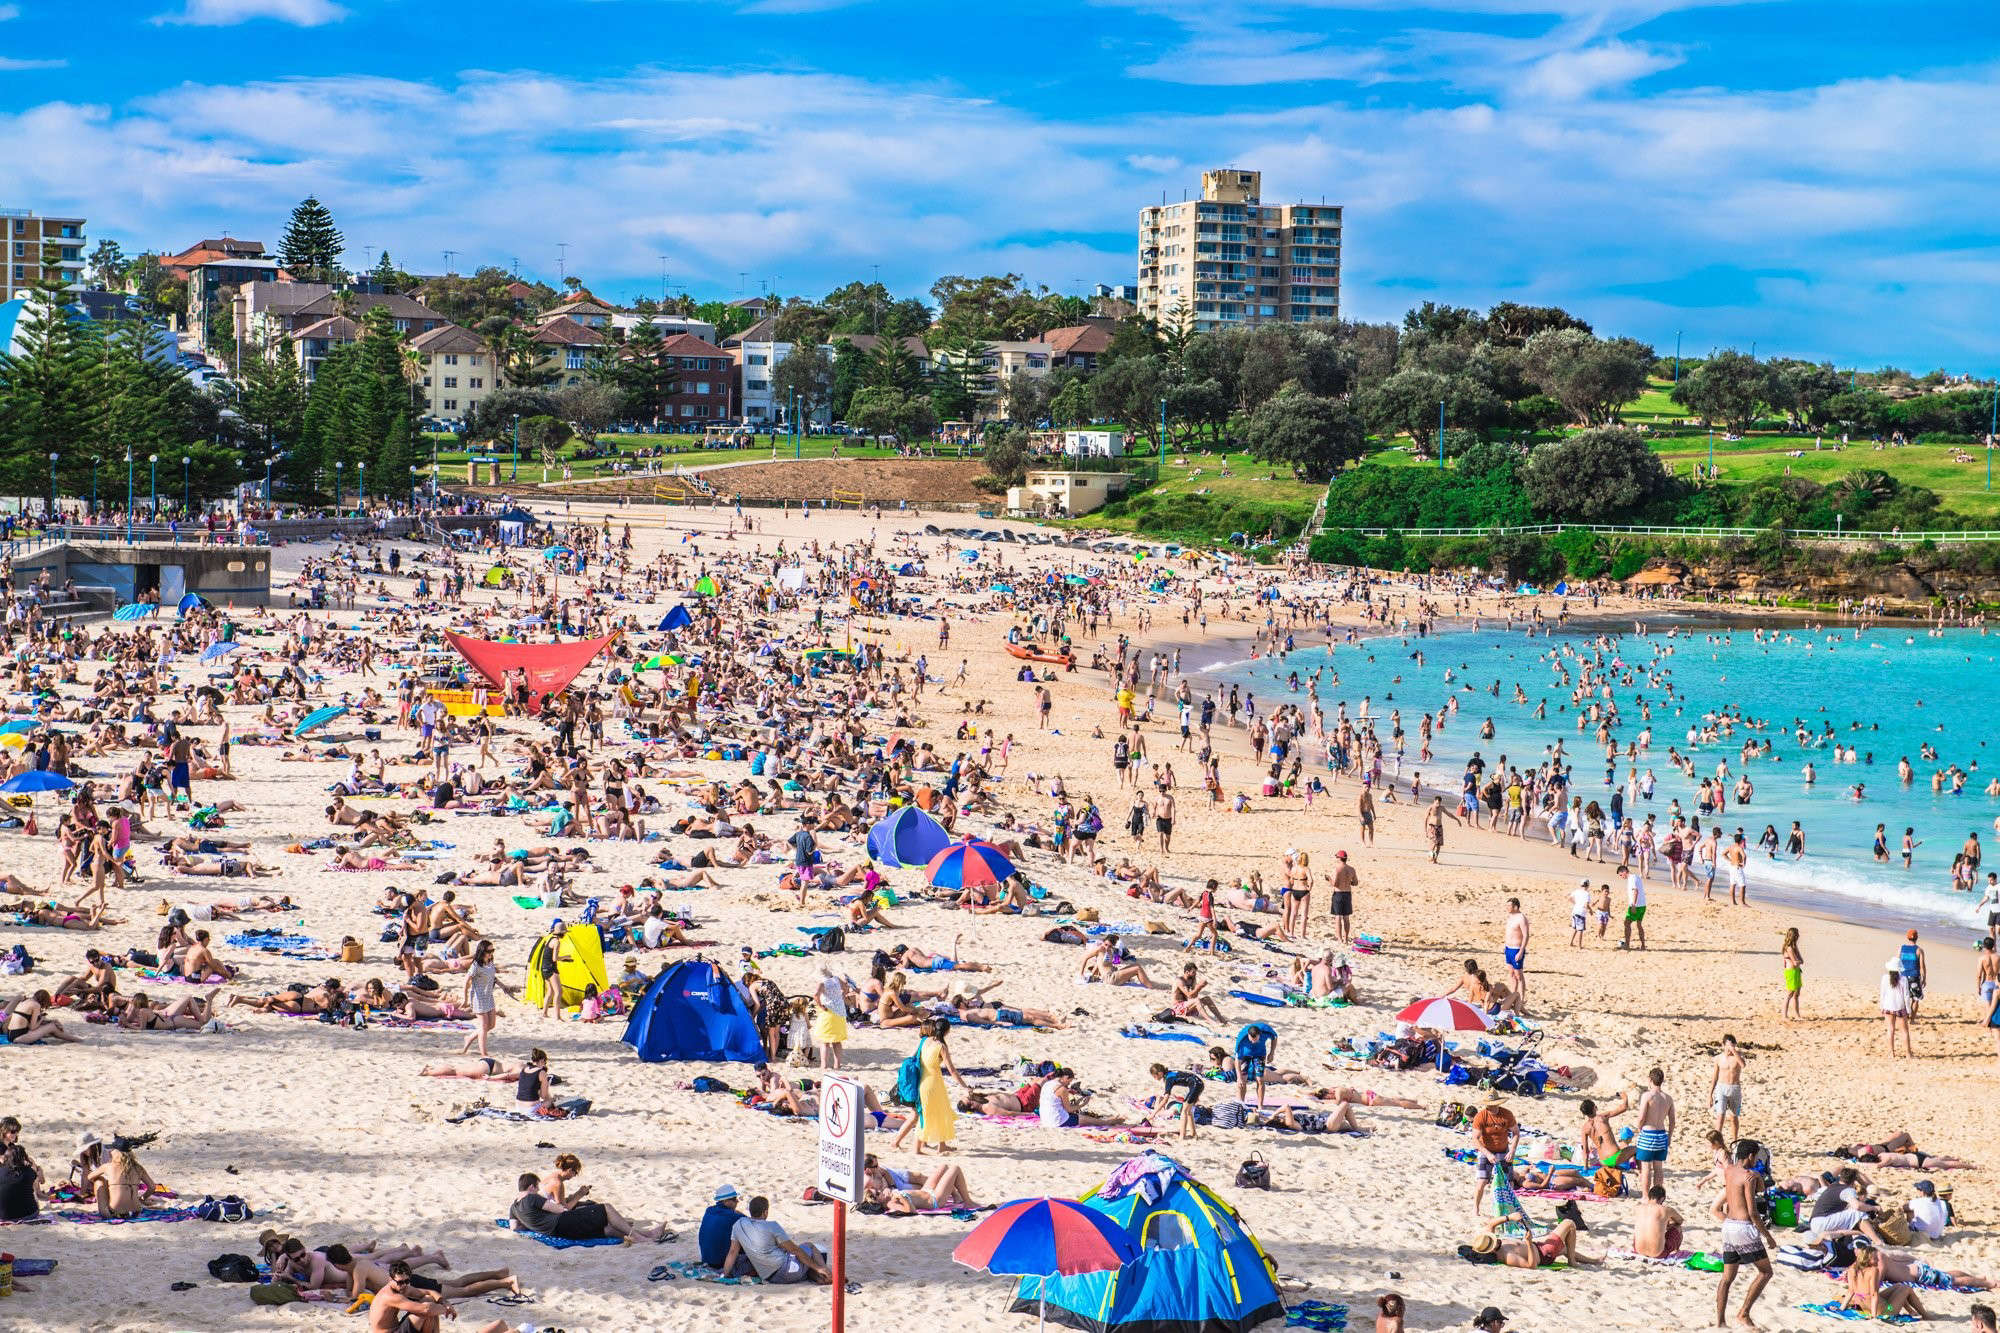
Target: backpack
(232,1268)
(909,1074)
(1254,1174)
(832,939)
(16,961)
(229,1208)
(1608,1182)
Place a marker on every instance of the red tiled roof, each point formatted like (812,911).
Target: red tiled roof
(566,332)
(1079,340)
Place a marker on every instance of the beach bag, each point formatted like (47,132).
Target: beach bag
(1608,1182)
(350,950)
(232,1268)
(830,940)
(909,1075)
(274,1293)
(1784,1210)
(17,961)
(1254,1174)
(229,1208)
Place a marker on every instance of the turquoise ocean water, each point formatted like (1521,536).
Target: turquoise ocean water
(1888,693)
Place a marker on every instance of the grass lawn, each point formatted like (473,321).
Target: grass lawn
(688,453)
(1201,474)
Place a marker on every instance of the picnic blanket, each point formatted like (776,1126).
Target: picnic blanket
(1160,1034)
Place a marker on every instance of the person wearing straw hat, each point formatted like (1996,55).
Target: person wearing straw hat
(1495,1134)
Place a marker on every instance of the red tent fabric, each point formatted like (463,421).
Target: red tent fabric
(549,666)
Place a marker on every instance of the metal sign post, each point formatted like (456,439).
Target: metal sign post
(841,1109)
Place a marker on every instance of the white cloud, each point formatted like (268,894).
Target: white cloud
(1568,75)
(817,177)
(9,12)
(9,63)
(223,13)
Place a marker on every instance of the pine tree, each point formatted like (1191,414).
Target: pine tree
(312,244)
(51,390)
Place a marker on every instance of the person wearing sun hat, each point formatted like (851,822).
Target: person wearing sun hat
(716,1224)
(1490,1320)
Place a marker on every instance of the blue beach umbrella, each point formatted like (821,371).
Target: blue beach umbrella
(191,602)
(215,651)
(133,611)
(678,618)
(1045,1238)
(318,718)
(20,726)
(908,837)
(35,780)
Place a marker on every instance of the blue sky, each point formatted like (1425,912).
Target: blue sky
(1816,177)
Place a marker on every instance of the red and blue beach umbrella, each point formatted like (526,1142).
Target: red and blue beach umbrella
(1046,1238)
(968,865)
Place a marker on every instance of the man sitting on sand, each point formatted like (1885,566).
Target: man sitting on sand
(401,1306)
(775,1256)
(1656,1227)
(586,1220)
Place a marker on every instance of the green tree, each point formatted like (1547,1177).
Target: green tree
(273,404)
(544,437)
(1729,388)
(878,411)
(802,323)
(107,265)
(590,407)
(807,372)
(1591,377)
(1025,398)
(52,390)
(1407,402)
(1593,476)
(891,365)
(1316,436)
(647,373)
(848,371)
(312,245)
(729,320)
(1129,391)
(1007,454)
(1071,404)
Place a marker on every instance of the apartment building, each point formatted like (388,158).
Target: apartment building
(29,237)
(1227,259)
(454,371)
(758,353)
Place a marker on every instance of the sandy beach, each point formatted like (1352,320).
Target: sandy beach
(331,1135)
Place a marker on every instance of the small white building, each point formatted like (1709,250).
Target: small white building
(1093,443)
(1062,494)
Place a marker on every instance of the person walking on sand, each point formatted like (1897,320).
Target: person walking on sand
(1657,1119)
(1515,949)
(1910,959)
(1744,1237)
(1434,826)
(1163,819)
(1635,906)
(1736,855)
(1725,1087)
(1896,1008)
(1794,963)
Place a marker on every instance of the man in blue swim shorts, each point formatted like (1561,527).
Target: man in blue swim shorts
(1256,1043)
(1516,951)
(1656,1131)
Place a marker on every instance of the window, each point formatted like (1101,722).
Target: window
(427,381)
(451,358)
(402,326)
(573,360)
(703,386)
(451,381)
(756,386)
(756,359)
(20,250)
(450,404)
(475,383)
(687,409)
(473,360)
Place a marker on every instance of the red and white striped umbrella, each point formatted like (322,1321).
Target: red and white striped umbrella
(1446,1015)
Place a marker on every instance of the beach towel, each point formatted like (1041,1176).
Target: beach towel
(555,1242)
(1160,1034)
(529,903)
(143,1215)
(34,1267)
(1834,1310)
(1322,1316)
(699,1272)
(1254,997)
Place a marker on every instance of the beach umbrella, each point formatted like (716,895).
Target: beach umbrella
(34,780)
(908,837)
(318,718)
(968,864)
(14,740)
(1002,587)
(862,585)
(132,611)
(532,620)
(1046,1238)
(556,552)
(191,602)
(705,587)
(216,651)
(678,618)
(20,726)
(1446,1015)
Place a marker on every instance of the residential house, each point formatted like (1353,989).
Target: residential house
(313,343)
(758,354)
(754,306)
(705,383)
(1078,346)
(997,364)
(320,325)
(583,309)
(455,371)
(667,324)
(567,346)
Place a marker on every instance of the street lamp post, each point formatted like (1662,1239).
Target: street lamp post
(187,495)
(514,470)
(414,473)
(361,486)
(153,500)
(1440,432)
(267,480)
(339,476)
(53,456)
(128,497)
(93,488)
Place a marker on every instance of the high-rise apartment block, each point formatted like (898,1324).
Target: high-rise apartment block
(1228,259)
(28,238)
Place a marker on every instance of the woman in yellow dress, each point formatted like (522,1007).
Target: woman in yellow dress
(829,1028)
(936,1121)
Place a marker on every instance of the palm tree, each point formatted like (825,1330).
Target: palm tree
(1866,485)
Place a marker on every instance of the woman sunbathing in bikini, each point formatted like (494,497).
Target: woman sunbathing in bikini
(899,1194)
(483,1068)
(62,918)
(184,1014)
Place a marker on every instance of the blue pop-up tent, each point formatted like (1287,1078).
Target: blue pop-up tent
(907,837)
(678,618)
(1198,1270)
(692,1012)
